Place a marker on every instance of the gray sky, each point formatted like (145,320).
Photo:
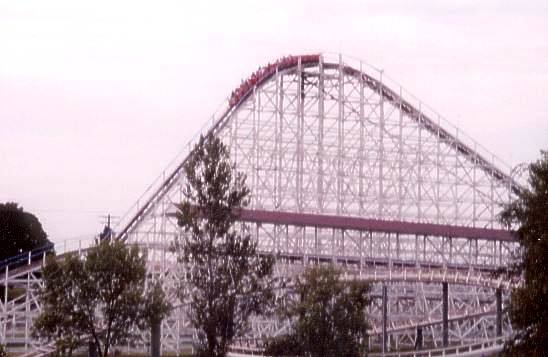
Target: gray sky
(96,97)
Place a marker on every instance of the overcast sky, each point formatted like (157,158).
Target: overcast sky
(96,97)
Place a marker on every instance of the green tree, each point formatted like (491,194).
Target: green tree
(20,231)
(225,280)
(327,317)
(528,310)
(156,304)
(98,298)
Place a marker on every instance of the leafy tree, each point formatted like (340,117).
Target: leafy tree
(327,317)
(156,304)
(98,298)
(62,319)
(225,279)
(20,231)
(528,310)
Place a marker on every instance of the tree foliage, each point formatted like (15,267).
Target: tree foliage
(327,317)
(20,231)
(98,298)
(528,304)
(225,280)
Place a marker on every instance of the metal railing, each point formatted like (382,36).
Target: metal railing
(38,255)
(26,257)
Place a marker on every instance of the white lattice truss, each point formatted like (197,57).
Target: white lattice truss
(345,169)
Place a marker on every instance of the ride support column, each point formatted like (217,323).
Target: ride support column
(384,319)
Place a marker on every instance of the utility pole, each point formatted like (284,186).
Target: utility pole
(107,232)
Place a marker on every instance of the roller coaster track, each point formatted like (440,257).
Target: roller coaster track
(166,183)
(429,221)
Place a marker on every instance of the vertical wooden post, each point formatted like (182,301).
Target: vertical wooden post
(445,314)
(384,319)
(499,312)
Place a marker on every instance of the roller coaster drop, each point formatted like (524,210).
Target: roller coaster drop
(347,168)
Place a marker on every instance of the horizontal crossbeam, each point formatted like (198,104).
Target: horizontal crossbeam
(375,225)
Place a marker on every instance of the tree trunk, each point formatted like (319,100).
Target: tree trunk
(155,334)
(92,348)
